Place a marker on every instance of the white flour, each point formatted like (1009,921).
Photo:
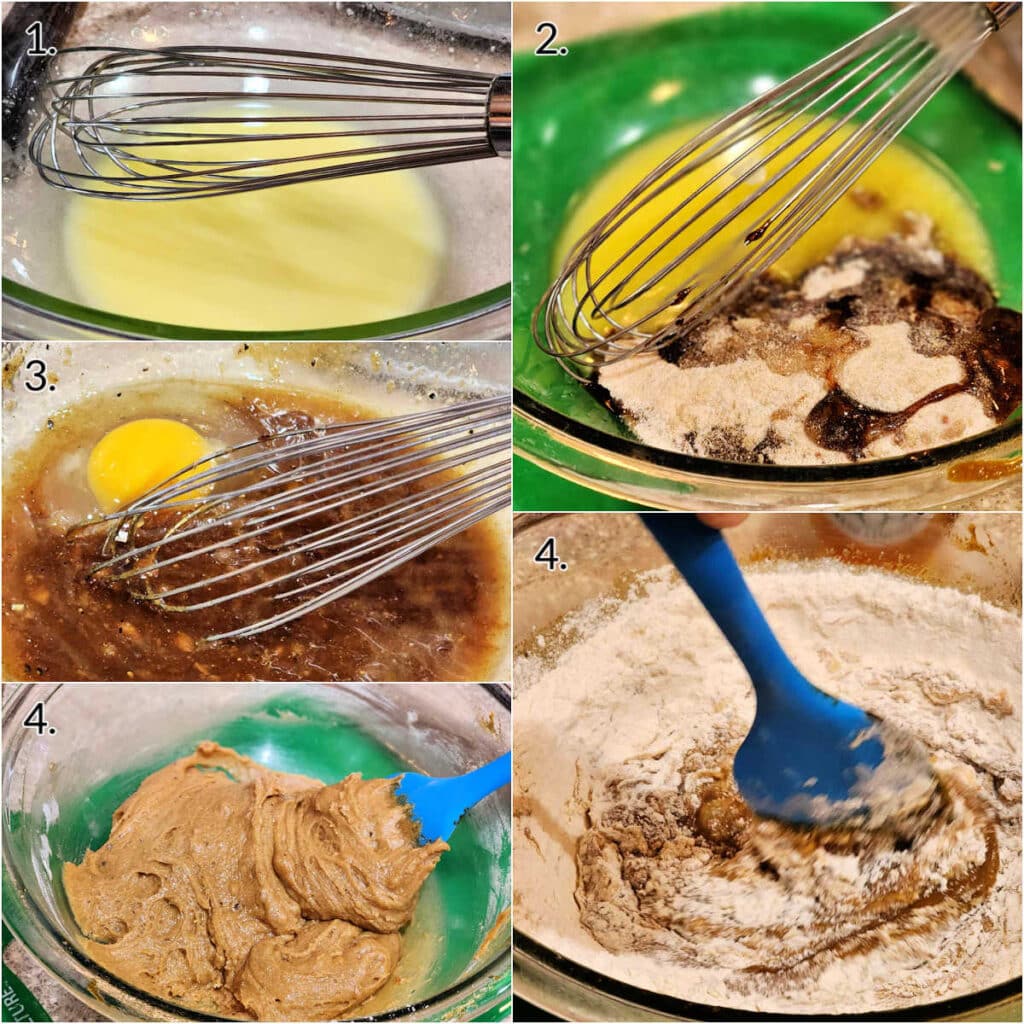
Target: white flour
(655,684)
(752,384)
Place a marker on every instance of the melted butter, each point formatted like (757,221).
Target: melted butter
(900,180)
(306,256)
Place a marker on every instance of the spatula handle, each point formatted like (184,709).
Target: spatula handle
(485,780)
(703,558)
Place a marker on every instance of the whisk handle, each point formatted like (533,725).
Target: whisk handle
(1001,13)
(499,115)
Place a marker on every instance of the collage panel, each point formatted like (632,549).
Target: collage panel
(293,511)
(704,834)
(238,851)
(696,325)
(256,170)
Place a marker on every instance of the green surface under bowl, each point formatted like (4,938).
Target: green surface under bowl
(301,735)
(577,114)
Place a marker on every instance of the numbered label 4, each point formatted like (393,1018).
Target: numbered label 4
(37,720)
(548,556)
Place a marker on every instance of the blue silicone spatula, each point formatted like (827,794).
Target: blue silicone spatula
(809,758)
(438,804)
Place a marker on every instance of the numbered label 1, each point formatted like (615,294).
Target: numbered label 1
(547,556)
(549,30)
(35,33)
(37,720)
(38,381)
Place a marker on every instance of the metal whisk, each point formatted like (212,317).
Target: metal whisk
(288,523)
(182,122)
(719,211)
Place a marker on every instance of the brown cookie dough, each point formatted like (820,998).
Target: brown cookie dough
(237,890)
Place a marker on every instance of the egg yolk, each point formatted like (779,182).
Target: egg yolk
(137,456)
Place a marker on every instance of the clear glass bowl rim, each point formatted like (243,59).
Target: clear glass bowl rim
(641,457)
(620,991)
(73,314)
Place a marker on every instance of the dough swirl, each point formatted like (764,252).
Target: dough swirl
(238,890)
(692,872)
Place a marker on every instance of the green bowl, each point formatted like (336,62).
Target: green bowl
(66,788)
(577,114)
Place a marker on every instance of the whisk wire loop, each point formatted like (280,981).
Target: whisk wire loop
(304,442)
(278,518)
(831,129)
(746,188)
(189,121)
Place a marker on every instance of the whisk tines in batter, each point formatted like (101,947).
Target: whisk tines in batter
(277,527)
(184,122)
(747,188)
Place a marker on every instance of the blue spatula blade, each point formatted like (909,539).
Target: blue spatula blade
(437,804)
(809,758)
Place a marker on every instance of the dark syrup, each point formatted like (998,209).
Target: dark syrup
(992,374)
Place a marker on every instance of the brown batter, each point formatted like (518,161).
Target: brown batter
(439,616)
(238,890)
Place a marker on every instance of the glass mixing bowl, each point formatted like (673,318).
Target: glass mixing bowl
(60,791)
(578,113)
(390,377)
(976,553)
(39,298)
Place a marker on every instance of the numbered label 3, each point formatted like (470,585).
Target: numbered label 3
(36,378)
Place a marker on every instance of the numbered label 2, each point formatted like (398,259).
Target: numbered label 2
(549,30)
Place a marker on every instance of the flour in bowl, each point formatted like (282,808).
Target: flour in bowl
(636,858)
(885,348)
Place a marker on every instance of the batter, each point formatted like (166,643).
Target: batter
(236,890)
(636,858)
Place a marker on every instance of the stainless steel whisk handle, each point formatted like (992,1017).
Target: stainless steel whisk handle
(499,115)
(1001,13)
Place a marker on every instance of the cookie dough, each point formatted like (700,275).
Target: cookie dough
(237,890)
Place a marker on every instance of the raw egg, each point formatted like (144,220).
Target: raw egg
(137,456)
